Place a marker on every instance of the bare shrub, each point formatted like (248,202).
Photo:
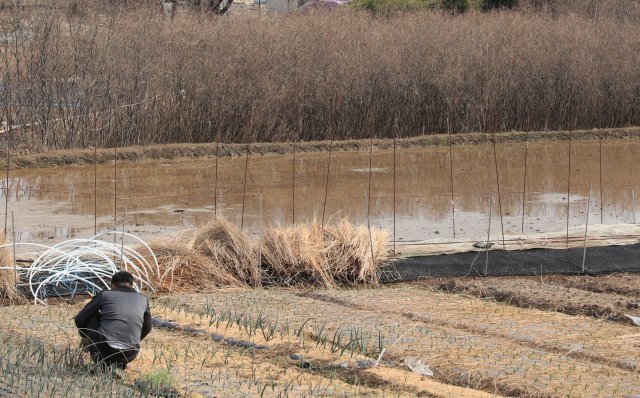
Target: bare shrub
(122,74)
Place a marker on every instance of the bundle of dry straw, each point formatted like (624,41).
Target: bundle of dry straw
(220,254)
(294,255)
(329,255)
(353,253)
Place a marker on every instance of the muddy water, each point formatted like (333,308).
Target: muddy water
(159,197)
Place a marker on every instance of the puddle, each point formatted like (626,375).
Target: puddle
(161,197)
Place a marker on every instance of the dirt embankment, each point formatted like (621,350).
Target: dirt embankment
(173,151)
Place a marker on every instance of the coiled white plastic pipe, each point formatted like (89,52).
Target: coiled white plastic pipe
(91,262)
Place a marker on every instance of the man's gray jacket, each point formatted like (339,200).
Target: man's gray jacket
(125,318)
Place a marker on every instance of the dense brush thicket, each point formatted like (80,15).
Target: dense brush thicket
(122,76)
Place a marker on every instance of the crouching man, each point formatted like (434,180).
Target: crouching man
(114,322)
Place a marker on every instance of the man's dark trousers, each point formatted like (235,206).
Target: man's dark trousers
(102,354)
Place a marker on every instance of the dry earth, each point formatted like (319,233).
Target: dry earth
(555,336)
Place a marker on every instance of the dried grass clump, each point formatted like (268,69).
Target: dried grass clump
(226,245)
(294,255)
(8,281)
(352,255)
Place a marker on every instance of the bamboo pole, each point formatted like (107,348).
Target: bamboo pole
(293,184)
(453,203)
(586,229)
(326,185)
(244,187)
(115,175)
(8,139)
(366,203)
(633,203)
(568,186)
(395,138)
(495,162)
(13,244)
(370,174)
(124,222)
(524,182)
(601,187)
(261,235)
(215,180)
(488,245)
(95,174)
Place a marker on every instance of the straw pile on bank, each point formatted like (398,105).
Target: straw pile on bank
(294,255)
(327,256)
(225,244)
(354,255)
(220,254)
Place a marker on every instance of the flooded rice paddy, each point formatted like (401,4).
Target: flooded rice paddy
(154,198)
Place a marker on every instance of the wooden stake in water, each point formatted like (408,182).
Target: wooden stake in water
(524,182)
(586,229)
(326,185)
(495,162)
(601,187)
(453,203)
(244,186)
(568,185)
(488,245)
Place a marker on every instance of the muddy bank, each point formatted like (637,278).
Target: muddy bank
(25,160)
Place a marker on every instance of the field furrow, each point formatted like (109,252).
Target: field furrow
(576,336)
(205,366)
(472,359)
(527,292)
(625,284)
